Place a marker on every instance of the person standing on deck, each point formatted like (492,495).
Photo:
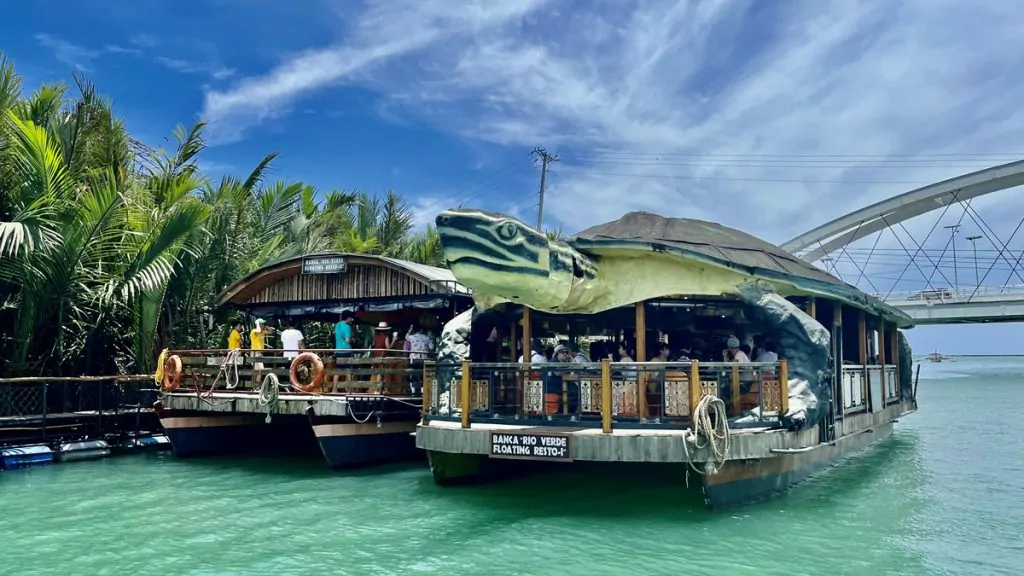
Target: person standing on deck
(292,340)
(257,342)
(732,353)
(342,342)
(235,337)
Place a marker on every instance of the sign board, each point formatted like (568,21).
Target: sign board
(527,446)
(324,265)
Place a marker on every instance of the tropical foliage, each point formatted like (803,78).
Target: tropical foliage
(111,250)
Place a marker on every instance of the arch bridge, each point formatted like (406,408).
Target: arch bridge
(943,299)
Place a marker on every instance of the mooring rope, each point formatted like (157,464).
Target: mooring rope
(269,389)
(715,434)
(229,367)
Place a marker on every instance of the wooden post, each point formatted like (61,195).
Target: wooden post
(641,356)
(514,347)
(606,396)
(840,388)
(736,388)
(783,387)
(812,307)
(467,379)
(694,388)
(862,354)
(881,356)
(523,381)
(894,356)
(428,391)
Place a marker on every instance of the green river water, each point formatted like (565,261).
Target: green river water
(944,495)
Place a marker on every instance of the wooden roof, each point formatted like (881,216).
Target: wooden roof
(366,277)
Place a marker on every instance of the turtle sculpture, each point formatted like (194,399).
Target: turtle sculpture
(643,256)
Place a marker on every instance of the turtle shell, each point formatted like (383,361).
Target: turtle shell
(722,246)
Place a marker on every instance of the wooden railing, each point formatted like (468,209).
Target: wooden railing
(600,393)
(350,371)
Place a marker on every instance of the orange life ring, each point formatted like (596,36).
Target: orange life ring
(172,373)
(318,372)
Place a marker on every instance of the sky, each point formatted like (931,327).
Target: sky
(772,117)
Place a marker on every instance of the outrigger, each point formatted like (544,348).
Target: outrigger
(834,371)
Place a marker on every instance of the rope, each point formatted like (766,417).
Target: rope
(715,434)
(229,366)
(268,393)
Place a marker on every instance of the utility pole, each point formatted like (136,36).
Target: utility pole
(953,229)
(974,248)
(545,159)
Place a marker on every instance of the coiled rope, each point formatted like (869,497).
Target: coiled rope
(715,435)
(230,368)
(269,389)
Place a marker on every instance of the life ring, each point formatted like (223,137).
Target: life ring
(318,372)
(172,373)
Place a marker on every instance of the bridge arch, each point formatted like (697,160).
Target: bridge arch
(816,243)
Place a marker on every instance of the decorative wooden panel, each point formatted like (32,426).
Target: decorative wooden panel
(533,396)
(677,396)
(624,397)
(360,281)
(480,395)
(590,396)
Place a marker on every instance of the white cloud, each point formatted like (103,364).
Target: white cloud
(215,71)
(78,56)
(728,110)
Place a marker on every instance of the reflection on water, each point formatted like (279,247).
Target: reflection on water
(942,496)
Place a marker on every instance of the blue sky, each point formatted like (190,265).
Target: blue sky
(769,116)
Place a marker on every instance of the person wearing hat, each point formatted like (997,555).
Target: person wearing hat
(732,353)
(257,343)
(561,354)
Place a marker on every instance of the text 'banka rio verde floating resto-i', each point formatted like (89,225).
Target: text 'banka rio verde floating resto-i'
(661,341)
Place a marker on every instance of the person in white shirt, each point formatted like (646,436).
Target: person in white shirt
(766,353)
(536,356)
(291,341)
(419,344)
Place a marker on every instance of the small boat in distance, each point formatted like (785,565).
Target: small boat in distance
(936,357)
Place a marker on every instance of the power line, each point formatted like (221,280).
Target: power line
(722,178)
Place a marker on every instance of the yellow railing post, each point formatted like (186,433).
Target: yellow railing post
(736,388)
(783,387)
(467,378)
(694,387)
(606,396)
(428,390)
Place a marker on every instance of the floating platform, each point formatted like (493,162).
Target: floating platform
(24,456)
(84,450)
(347,429)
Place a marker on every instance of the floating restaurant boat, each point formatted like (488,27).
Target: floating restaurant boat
(749,429)
(258,401)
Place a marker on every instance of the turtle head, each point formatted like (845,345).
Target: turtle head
(500,255)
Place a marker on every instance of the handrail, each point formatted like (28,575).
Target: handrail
(946,295)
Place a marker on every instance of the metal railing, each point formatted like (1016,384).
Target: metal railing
(858,382)
(348,371)
(953,296)
(600,393)
(49,409)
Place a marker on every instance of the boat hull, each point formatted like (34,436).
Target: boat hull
(348,444)
(744,482)
(211,434)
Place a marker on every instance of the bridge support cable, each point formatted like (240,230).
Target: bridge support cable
(854,262)
(949,242)
(995,260)
(925,241)
(1003,248)
(868,263)
(829,260)
(912,262)
(937,266)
